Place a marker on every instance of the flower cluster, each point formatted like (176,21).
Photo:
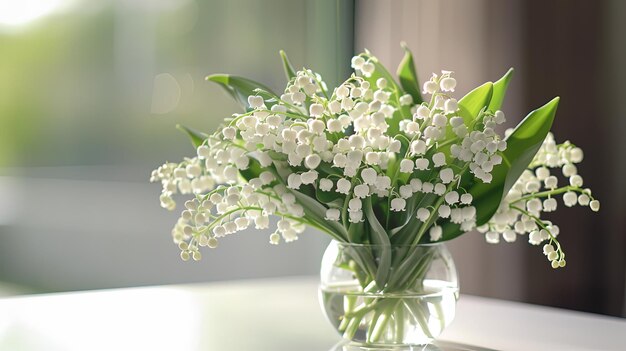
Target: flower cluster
(535,192)
(228,209)
(365,141)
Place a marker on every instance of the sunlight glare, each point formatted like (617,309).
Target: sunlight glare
(23,12)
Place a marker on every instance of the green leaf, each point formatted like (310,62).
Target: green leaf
(197,138)
(408,76)
(522,145)
(470,106)
(254,170)
(290,73)
(316,212)
(449,231)
(329,169)
(499,91)
(240,88)
(379,237)
(355,233)
(405,234)
(281,170)
(329,198)
(473,102)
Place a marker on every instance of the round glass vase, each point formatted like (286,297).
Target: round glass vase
(386,295)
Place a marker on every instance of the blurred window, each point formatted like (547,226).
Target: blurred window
(105,82)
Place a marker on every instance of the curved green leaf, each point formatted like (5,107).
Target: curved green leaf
(405,234)
(355,233)
(526,139)
(290,73)
(522,145)
(470,107)
(499,91)
(316,213)
(408,76)
(254,170)
(473,102)
(330,198)
(329,169)
(379,237)
(240,88)
(196,138)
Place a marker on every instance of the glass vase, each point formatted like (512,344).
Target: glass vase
(388,296)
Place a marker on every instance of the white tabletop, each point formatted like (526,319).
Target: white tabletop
(280,314)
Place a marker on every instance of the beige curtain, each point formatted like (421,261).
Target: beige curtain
(464,37)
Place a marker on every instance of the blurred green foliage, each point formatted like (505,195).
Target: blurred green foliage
(77,88)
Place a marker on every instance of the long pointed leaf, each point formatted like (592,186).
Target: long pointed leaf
(240,88)
(379,237)
(473,102)
(499,91)
(196,138)
(289,71)
(526,139)
(355,232)
(470,106)
(316,212)
(330,198)
(522,145)
(408,76)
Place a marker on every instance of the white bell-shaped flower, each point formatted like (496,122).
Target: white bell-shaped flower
(405,191)
(255,101)
(452,197)
(343,186)
(439,189)
(435,232)
(576,181)
(444,211)
(309,177)
(430,87)
(312,161)
(398,204)
(416,184)
(570,199)
(332,214)
(446,175)
(448,84)
(361,191)
(316,110)
(422,112)
(355,216)
(369,176)
(357,62)
(427,187)
(421,164)
(423,214)
(325,184)
(406,166)
(294,181)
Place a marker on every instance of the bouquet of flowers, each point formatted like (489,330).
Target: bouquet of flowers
(374,161)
